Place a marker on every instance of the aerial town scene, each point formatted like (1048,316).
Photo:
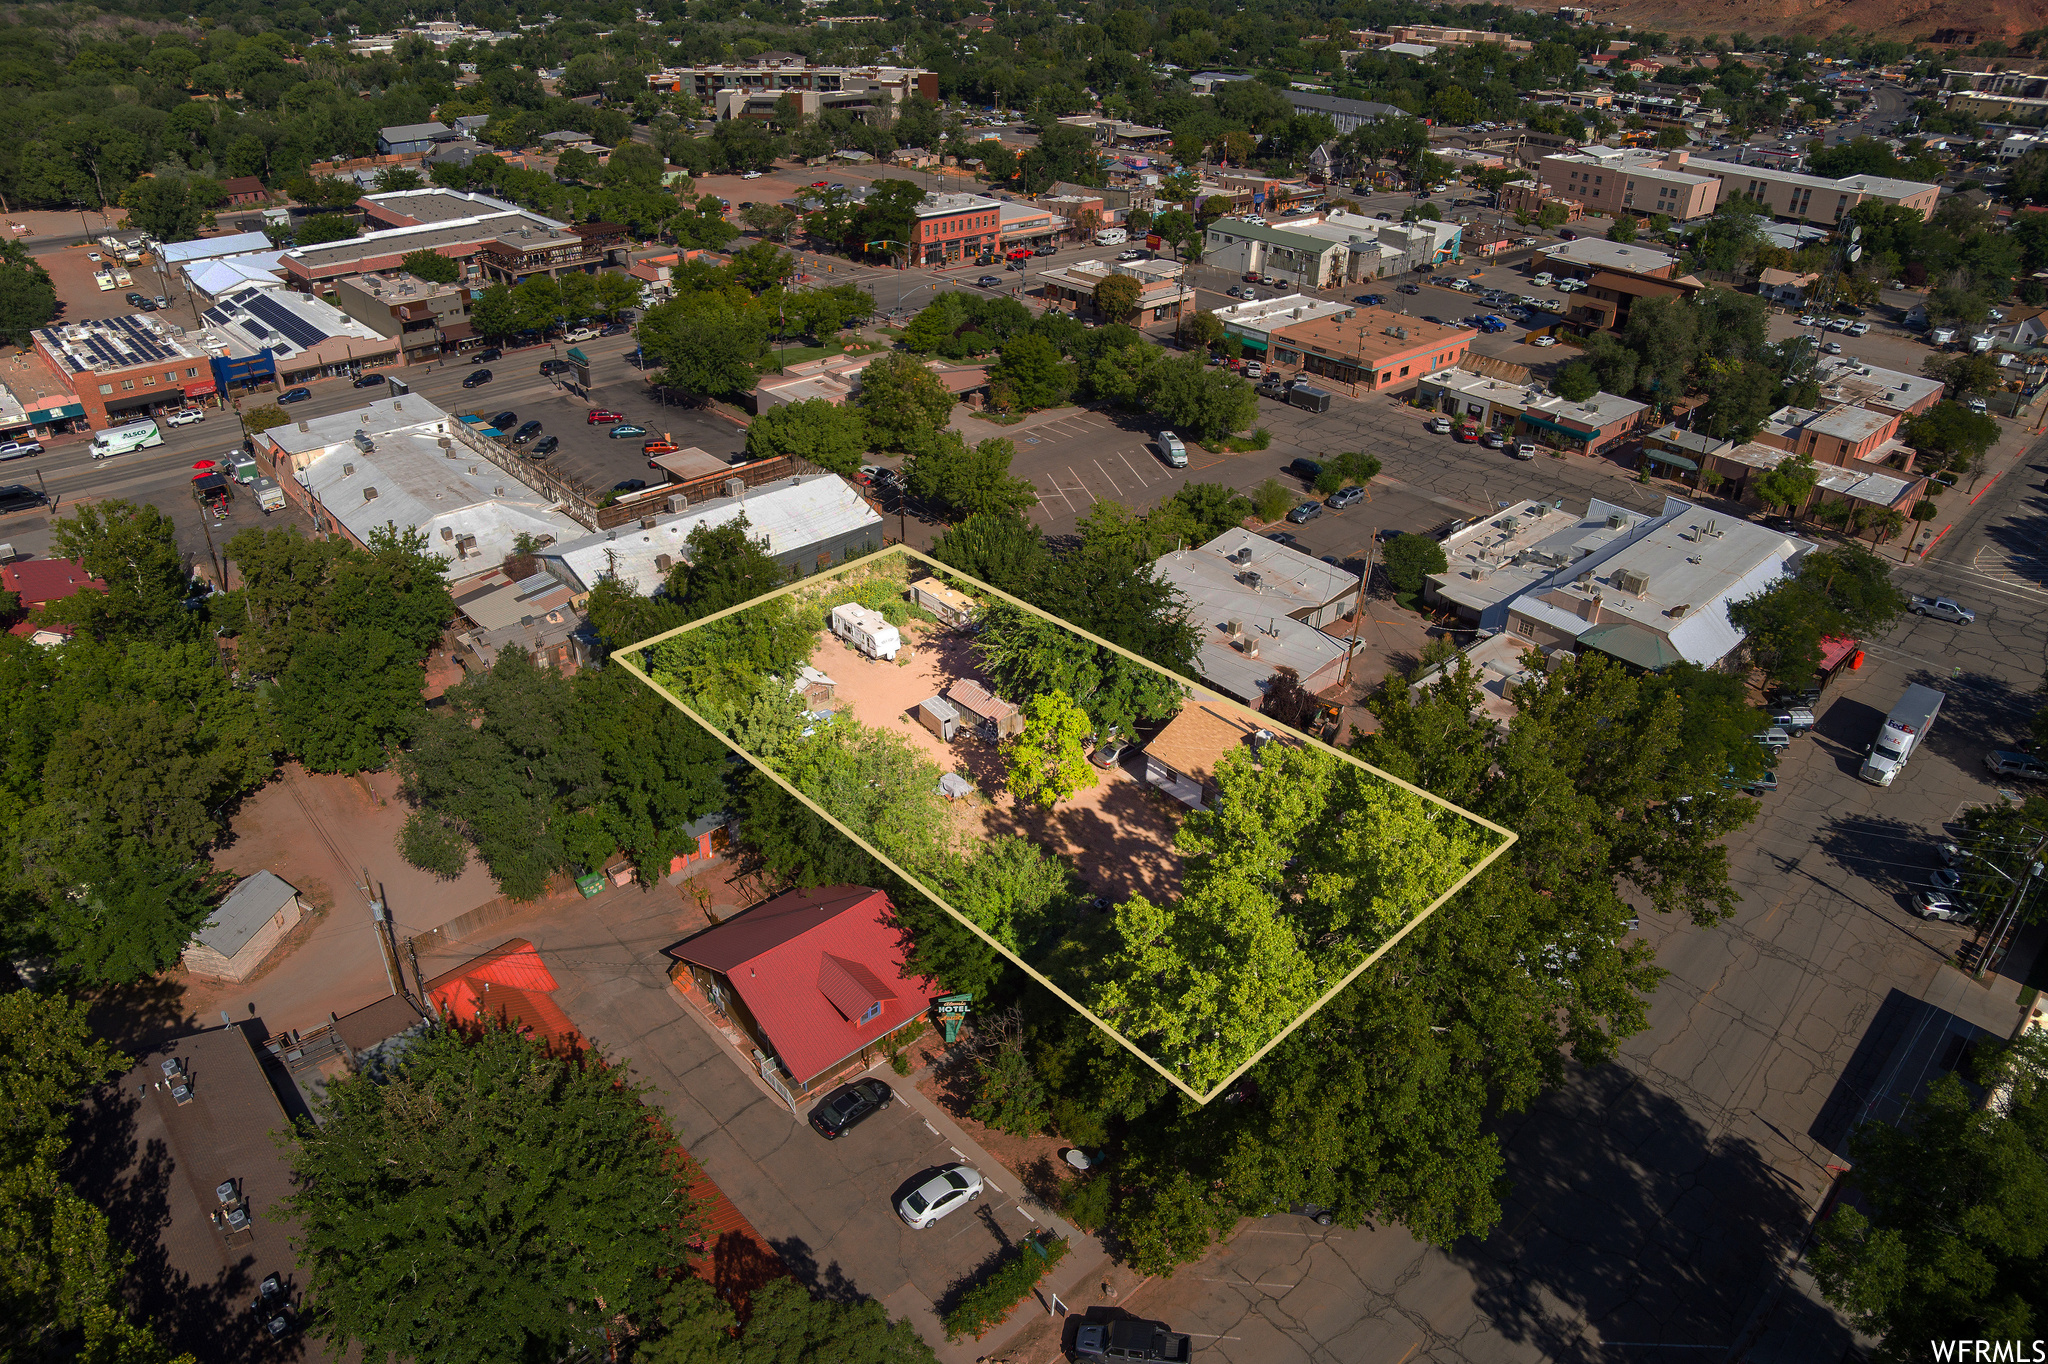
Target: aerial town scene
(1288,681)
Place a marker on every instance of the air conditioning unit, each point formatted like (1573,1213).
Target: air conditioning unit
(1615,520)
(1630,581)
(369,494)
(735,487)
(348,471)
(679,502)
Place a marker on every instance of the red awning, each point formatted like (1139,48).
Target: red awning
(201,389)
(1833,650)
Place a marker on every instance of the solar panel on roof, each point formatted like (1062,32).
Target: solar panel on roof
(289,324)
(255,329)
(217,317)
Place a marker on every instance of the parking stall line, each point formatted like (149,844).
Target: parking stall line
(1027,1216)
(989,1183)
(929,1128)
(1133,468)
(1080,486)
(956,1151)
(1060,493)
(1107,479)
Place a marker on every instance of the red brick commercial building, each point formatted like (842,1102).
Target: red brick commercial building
(1371,349)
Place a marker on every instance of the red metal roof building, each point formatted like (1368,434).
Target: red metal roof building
(815,977)
(511,984)
(38,582)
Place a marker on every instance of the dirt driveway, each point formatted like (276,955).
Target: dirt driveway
(1117,835)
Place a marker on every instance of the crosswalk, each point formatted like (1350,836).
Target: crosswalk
(2024,574)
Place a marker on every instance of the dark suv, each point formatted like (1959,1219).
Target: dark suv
(848,1104)
(20,497)
(526,432)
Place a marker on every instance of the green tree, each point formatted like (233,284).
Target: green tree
(723,566)
(493,312)
(347,700)
(828,434)
(1031,375)
(1948,428)
(902,401)
(1623,228)
(487,1198)
(1048,759)
(1411,559)
(962,481)
(707,345)
(1843,591)
(325,227)
(1200,400)
(1002,549)
(61,1285)
(1789,484)
(431,266)
(1576,382)
(134,551)
(163,207)
(1116,297)
(393,179)
(1948,1238)
(28,298)
(1027,655)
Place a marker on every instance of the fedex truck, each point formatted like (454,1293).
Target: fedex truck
(1904,730)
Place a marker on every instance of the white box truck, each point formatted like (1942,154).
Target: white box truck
(1905,729)
(1112,236)
(866,630)
(119,440)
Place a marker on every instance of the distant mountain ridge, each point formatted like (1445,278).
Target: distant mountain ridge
(1963,22)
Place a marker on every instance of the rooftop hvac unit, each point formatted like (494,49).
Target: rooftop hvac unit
(1615,520)
(447,443)
(498,491)
(305,426)
(447,533)
(348,471)
(664,562)
(679,502)
(1584,579)
(1233,628)
(1630,581)
(369,494)
(1250,579)
(647,523)
(735,487)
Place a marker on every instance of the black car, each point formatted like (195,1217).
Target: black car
(295,395)
(556,367)
(1306,469)
(1345,497)
(546,445)
(526,432)
(1046,251)
(505,421)
(1280,537)
(629,485)
(617,329)
(1305,513)
(476,378)
(848,1104)
(20,497)
(486,355)
(368,380)
(136,300)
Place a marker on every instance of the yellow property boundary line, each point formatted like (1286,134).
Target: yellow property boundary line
(631,659)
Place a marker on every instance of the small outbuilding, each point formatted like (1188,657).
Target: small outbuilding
(938,716)
(245,929)
(992,717)
(953,786)
(814,687)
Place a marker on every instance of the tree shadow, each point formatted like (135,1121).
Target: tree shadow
(141,1015)
(1629,1221)
(829,1283)
(1121,843)
(737,1266)
(1909,1044)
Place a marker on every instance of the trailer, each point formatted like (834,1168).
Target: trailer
(866,630)
(269,496)
(948,604)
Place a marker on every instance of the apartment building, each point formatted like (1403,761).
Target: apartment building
(751,89)
(1371,349)
(1814,199)
(427,319)
(1613,180)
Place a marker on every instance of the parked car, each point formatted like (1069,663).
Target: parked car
(1345,497)
(944,1193)
(1940,906)
(1371,300)
(20,497)
(486,355)
(476,378)
(629,485)
(617,329)
(1407,288)
(367,381)
(750,175)
(1280,537)
(1440,425)
(16,449)
(1493,440)
(1254,369)
(1305,513)
(295,395)
(1542,342)
(1307,470)
(2004,764)
(1466,434)
(599,415)
(1046,251)
(1773,738)
(1942,608)
(505,421)
(185,416)
(654,449)
(528,430)
(545,446)
(1127,1338)
(623,432)
(841,1110)
(1523,450)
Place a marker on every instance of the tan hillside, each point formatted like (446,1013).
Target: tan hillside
(1951,21)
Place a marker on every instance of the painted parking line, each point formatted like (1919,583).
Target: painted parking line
(1133,468)
(933,1130)
(1058,492)
(1079,486)
(1112,482)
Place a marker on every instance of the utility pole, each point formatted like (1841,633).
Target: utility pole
(380,921)
(1358,608)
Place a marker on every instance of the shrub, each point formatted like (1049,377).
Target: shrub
(1410,559)
(1086,1205)
(989,1303)
(900,1063)
(1271,500)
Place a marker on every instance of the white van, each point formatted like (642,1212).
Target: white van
(1112,236)
(1544,280)
(119,440)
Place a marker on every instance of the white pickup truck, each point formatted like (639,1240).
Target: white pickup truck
(1941,608)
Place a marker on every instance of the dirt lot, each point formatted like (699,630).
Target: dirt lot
(1118,834)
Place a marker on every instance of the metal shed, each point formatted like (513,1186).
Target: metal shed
(993,716)
(936,715)
(951,606)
